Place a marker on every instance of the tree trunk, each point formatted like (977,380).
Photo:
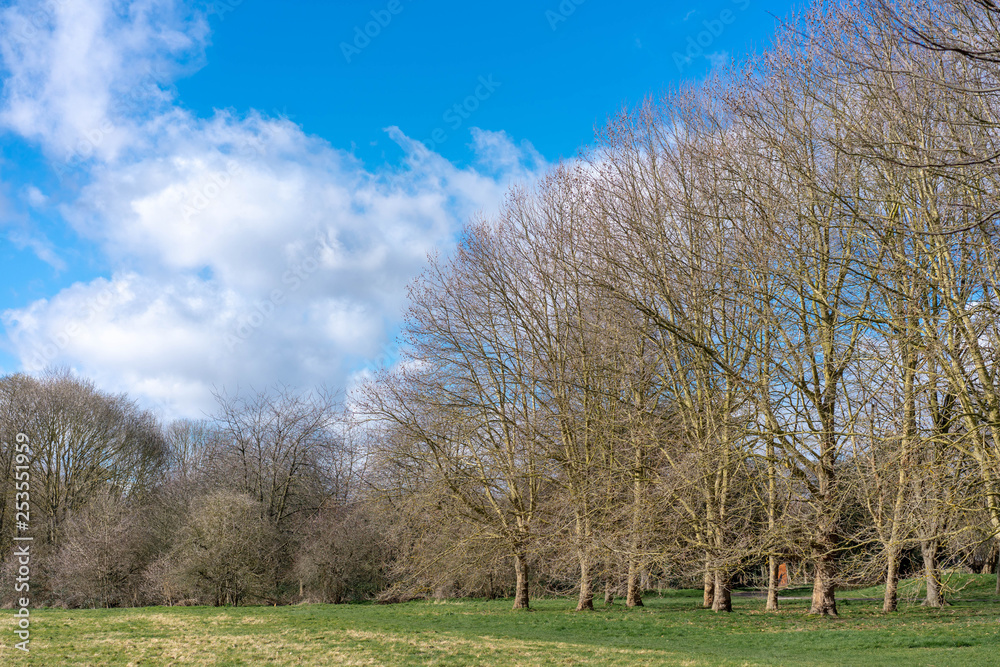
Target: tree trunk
(991,560)
(824,601)
(929,550)
(998,577)
(772,495)
(633,589)
(609,593)
(772,584)
(722,601)
(889,600)
(709,590)
(586,584)
(995,520)
(633,595)
(521,586)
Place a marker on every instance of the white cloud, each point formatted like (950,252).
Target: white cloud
(82,76)
(35,197)
(17,227)
(247,251)
(39,245)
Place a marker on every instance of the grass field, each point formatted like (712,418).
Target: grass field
(670,630)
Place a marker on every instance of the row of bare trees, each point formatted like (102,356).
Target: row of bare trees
(756,323)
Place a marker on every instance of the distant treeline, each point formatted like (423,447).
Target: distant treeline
(258,504)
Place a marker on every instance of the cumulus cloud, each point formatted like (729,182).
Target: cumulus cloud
(247,251)
(82,76)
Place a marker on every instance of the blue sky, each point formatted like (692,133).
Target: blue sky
(197,195)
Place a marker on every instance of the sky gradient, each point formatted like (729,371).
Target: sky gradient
(207,195)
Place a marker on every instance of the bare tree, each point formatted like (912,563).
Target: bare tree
(342,555)
(272,446)
(464,403)
(86,442)
(103,554)
(226,550)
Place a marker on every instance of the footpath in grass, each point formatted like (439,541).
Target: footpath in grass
(670,630)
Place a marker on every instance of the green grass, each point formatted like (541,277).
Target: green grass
(956,585)
(670,630)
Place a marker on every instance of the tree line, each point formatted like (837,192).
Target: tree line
(754,325)
(258,504)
